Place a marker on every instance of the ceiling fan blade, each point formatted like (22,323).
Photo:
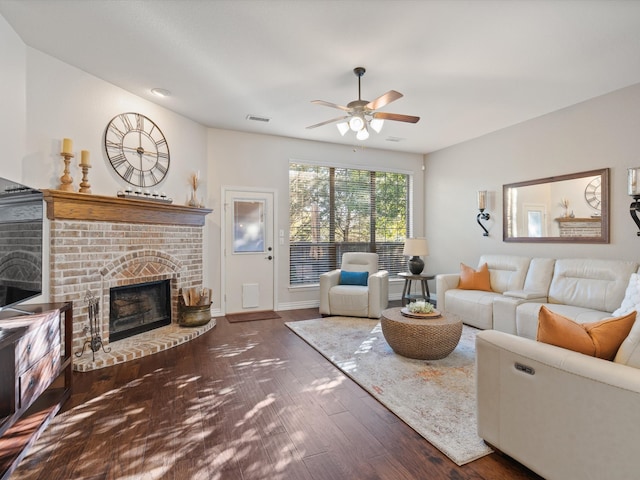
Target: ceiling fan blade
(329,121)
(382,100)
(329,104)
(396,117)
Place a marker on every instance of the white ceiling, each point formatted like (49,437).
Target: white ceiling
(466,67)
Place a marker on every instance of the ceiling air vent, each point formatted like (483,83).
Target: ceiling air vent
(394,139)
(258,118)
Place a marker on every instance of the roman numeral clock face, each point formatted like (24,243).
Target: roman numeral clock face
(593,193)
(137,149)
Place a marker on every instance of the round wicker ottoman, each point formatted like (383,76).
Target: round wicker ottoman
(428,339)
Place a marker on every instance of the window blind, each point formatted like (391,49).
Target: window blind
(336,210)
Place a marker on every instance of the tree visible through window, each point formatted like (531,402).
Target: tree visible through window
(336,210)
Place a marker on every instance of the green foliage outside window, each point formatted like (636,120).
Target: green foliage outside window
(335,210)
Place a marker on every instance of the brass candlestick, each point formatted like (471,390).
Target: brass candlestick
(85,187)
(66,181)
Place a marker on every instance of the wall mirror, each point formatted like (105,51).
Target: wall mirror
(563,209)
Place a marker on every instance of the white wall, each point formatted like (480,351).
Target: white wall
(63,101)
(602,132)
(13,119)
(252,160)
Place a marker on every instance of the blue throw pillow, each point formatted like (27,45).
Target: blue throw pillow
(354,278)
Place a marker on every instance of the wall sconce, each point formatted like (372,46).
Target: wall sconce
(633,189)
(482,204)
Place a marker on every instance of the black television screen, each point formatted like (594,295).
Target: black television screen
(21,228)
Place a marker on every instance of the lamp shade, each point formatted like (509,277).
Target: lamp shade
(376,124)
(356,123)
(362,134)
(414,247)
(343,127)
(482,199)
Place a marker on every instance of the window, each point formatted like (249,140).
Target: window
(336,210)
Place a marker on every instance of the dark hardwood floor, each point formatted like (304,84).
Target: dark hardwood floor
(244,401)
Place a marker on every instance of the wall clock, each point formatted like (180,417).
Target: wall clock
(592,193)
(137,149)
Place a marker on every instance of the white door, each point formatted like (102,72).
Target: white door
(249,272)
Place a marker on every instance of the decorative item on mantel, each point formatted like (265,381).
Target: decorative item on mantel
(154,196)
(194,306)
(95,340)
(85,165)
(564,203)
(194,181)
(66,180)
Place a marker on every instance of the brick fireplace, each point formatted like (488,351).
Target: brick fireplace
(98,243)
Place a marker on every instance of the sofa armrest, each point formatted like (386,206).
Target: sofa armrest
(327,280)
(504,308)
(504,314)
(378,293)
(563,414)
(444,282)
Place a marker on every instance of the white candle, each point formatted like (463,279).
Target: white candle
(67,146)
(482,199)
(632,176)
(84,159)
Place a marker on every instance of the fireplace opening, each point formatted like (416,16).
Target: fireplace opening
(138,308)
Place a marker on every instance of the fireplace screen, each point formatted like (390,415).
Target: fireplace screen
(138,308)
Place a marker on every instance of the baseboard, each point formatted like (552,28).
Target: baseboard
(298,305)
(316,303)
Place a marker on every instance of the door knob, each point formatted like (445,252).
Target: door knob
(269,257)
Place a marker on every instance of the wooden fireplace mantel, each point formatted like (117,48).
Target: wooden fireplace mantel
(63,205)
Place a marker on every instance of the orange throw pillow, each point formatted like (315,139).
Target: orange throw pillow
(472,280)
(598,339)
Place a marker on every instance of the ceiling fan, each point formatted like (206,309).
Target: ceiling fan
(362,114)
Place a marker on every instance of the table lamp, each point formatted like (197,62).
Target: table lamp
(414,247)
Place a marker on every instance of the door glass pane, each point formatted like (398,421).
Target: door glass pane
(535,223)
(248,226)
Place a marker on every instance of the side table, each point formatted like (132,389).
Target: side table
(406,291)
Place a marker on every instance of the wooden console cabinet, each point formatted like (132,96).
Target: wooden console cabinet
(35,376)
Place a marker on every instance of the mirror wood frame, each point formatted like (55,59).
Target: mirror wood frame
(604,209)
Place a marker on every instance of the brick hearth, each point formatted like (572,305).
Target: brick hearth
(97,243)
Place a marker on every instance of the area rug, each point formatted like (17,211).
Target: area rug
(251,316)
(437,398)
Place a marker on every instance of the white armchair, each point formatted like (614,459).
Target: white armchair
(355,300)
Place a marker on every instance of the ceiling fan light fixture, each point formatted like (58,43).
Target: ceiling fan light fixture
(362,114)
(356,123)
(376,124)
(362,134)
(343,128)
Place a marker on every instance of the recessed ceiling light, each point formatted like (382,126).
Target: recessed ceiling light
(160,92)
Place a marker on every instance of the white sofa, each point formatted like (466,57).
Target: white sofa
(585,290)
(563,414)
